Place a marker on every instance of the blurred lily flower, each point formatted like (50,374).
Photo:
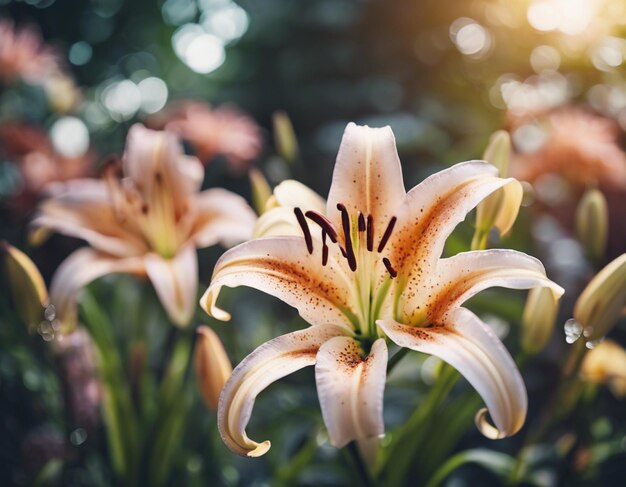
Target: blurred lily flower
(592,223)
(23,54)
(261,191)
(499,209)
(146,218)
(538,319)
(285,137)
(606,364)
(579,146)
(211,131)
(368,269)
(212,366)
(29,291)
(602,302)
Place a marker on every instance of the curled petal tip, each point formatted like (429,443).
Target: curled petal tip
(260,450)
(207,302)
(489,430)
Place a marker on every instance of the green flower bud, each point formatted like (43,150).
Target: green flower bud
(538,319)
(592,224)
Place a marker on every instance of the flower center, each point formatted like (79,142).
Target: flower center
(357,249)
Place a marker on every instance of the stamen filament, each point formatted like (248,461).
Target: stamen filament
(305,229)
(387,234)
(323,222)
(345,222)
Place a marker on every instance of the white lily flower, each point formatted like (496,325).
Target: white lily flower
(365,270)
(147,218)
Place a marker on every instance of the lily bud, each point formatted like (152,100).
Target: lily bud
(499,209)
(285,137)
(592,223)
(30,295)
(601,303)
(538,319)
(212,366)
(606,364)
(261,190)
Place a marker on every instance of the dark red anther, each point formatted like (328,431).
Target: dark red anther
(323,222)
(387,234)
(305,229)
(361,222)
(370,233)
(392,272)
(345,222)
(324,248)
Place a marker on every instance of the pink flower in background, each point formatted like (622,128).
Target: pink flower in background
(211,131)
(39,164)
(23,54)
(579,146)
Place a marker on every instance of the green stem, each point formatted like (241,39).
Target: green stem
(359,466)
(399,355)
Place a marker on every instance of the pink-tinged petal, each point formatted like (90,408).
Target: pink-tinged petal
(351,389)
(432,210)
(367,176)
(471,347)
(82,208)
(222,217)
(79,269)
(294,194)
(268,363)
(458,278)
(155,162)
(176,282)
(282,267)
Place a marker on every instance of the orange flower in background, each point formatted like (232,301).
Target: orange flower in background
(211,131)
(576,144)
(23,54)
(146,217)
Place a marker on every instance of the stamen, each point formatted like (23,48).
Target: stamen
(361,222)
(390,269)
(305,229)
(387,234)
(345,222)
(323,222)
(324,248)
(370,232)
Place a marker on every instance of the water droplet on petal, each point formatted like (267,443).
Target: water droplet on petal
(50,313)
(572,330)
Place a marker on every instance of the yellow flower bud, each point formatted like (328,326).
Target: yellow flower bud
(261,190)
(606,364)
(30,295)
(285,137)
(601,303)
(538,319)
(592,223)
(499,209)
(212,366)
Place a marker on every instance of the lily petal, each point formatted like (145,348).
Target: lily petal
(277,221)
(176,282)
(282,267)
(79,269)
(471,347)
(268,363)
(367,176)
(294,194)
(82,208)
(351,389)
(223,217)
(433,209)
(458,278)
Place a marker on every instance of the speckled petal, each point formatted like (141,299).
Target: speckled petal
(458,278)
(471,347)
(282,267)
(351,389)
(268,363)
(367,176)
